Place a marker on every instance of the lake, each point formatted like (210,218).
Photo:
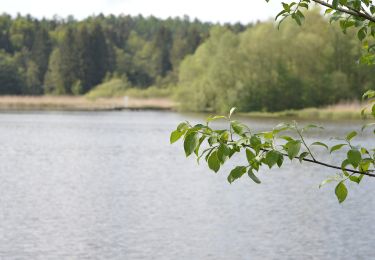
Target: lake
(108,185)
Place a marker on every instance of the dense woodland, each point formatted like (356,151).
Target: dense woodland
(207,66)
(65,56)
(265,69)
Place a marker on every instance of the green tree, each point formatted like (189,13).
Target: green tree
(86,68)
(99,51)
(5,42)
(53,83)
(11,82)
(253,69)
(68,61)
(40,51)
(33,83)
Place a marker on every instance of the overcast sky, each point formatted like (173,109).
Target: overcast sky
(206,10)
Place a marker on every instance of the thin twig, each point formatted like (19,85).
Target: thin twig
(303,141)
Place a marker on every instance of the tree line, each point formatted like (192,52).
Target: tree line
(66,56)
(211,67)
(270,69)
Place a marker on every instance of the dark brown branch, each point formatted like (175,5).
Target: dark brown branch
(339,168)
(347,11)
(368,173)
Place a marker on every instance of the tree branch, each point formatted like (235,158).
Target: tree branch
(368,173)
(347,11)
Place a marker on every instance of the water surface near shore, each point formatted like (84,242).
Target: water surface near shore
(107,185)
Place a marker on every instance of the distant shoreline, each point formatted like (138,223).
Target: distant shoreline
(81,103)
(343,111)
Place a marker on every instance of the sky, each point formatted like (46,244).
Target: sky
(206,10)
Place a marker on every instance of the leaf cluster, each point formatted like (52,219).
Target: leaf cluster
(356,14)
(270,149)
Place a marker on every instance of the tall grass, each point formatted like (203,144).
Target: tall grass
(111,88)
(334,112)
(119,88)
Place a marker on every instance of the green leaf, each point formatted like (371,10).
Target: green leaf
(212,140)
(341,192)
(345,163)
(304,5)
(255,141)
(364,165)
(320,144)
(223,153)
(302,156)
(280,160)
(360,178)
(335,3)
(231,111)
(252,176)
(369,94)
(312,126)
(296,18)
(351,135)
(213,162)
(355,179)
(238,127)
(249,155)
(280,128)
(293,148)
(175,136)
(364,151)
(336,147)
(209,119)
(286,7)
(362,33)
(196,151)
(191,142)
(224,137)
(326,181)
(286,138)
(255,165)
(301,16)
(236,173)
(182,126)
(268,135)
(354,157)
(281,13)
(271,158)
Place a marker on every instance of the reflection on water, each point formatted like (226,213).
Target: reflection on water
(109,186)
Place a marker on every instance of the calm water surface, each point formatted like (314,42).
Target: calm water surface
(109,186)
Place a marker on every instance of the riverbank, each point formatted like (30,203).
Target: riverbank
(345,111)
(72,103)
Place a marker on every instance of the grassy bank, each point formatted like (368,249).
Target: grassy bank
(81,103)
(335,112)
(142,101)
(119,88)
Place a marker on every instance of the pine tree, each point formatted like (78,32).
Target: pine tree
(86,70)
(40,51)
(68,61)
(98,49)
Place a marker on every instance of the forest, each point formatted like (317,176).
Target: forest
(207,67)
(70,57)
